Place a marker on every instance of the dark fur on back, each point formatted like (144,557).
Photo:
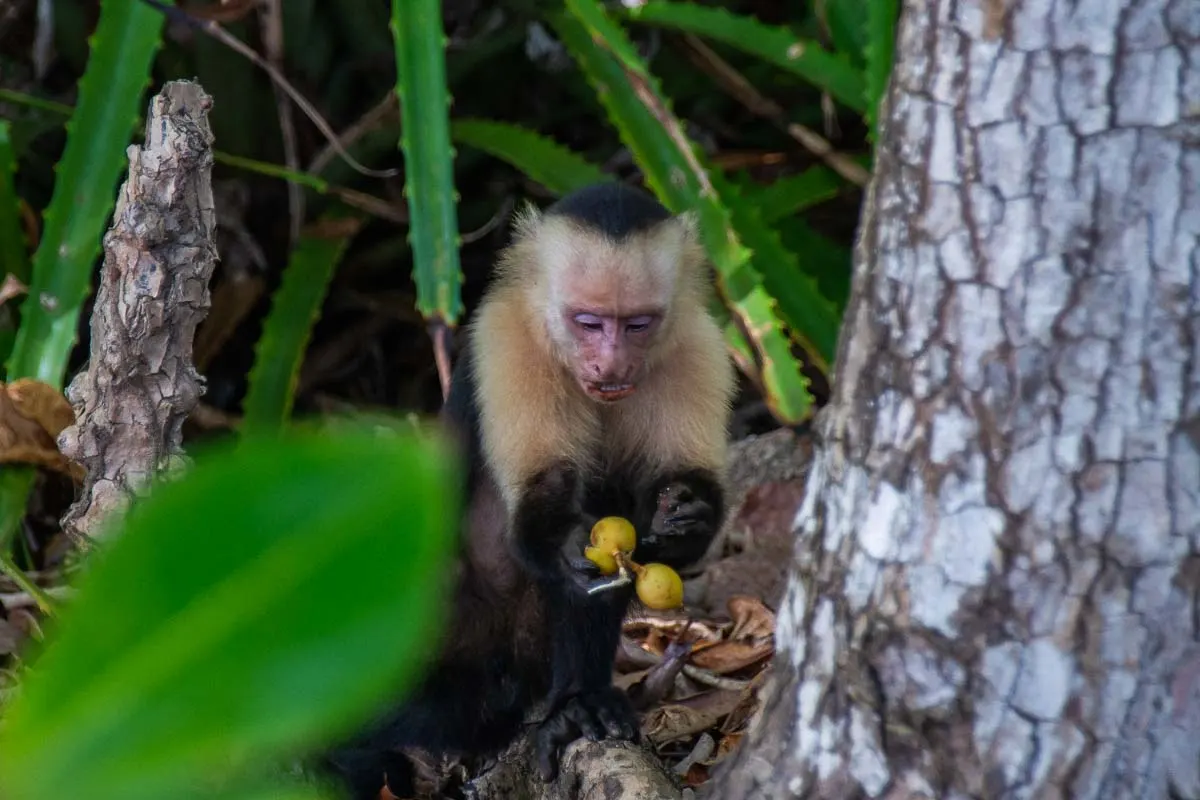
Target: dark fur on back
(614,209)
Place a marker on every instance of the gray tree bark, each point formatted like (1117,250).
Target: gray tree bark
(995,584)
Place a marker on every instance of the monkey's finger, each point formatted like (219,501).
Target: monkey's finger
(584,566)
(550,736)
(584,716)
(617,720)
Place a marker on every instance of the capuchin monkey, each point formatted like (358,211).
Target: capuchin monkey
(593,382)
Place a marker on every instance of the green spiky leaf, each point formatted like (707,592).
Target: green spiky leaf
(675,170)
(830,72)
(428,157)
(14,257)
(295,307)
(541,158)
(812,319)
(127,36)
(794,193)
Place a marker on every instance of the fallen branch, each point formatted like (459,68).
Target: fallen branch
(588,771)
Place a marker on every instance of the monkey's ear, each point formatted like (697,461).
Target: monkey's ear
(526,220)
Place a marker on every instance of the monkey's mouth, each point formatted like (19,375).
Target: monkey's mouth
(609,392)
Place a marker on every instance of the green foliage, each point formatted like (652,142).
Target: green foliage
(236,618)
(812,320)
(294,310)
(239,615)
(123,47)
(14,260)
(675,171)
(795,193)
(544,160)
(880,50)
(428,157)
(830,72)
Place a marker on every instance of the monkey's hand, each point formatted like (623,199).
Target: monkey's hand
(548,511)
(686,519)
(598,714)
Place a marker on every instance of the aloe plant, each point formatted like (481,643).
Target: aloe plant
(544,160)
(830,72)
(286,330)
(675,170)
(14,260)
(127,36)
(428,157)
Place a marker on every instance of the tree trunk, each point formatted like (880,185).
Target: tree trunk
(994,591)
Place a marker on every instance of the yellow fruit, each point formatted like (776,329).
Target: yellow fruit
(659,586)
(614,533)
(602,559)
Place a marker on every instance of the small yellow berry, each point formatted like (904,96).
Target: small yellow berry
(659,586)
(614,533)
(604,560)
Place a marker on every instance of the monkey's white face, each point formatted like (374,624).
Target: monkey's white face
(609,350)
(607,303)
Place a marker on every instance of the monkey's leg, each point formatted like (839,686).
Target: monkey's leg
(690,507)
(583,630)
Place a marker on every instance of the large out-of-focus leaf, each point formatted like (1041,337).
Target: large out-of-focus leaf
(830,72)
(123,47)
(541,158)
(255,607)
(676,171)
(428,157)
(286,330)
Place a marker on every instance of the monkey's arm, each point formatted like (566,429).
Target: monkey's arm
(583,629)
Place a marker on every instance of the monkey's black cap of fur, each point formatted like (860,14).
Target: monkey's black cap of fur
(612,208)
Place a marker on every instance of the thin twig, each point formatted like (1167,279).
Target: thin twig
(29,587)
(380,114)
(221,35)
(501,214)
(441,354)
(271,17)
(736,85)
(710,678)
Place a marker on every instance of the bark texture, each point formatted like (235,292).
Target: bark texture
(140,382)
(995,585)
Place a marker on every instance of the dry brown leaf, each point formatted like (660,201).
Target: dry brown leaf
(32,415)
(728,657)
(689,717)
(697,775)
(728,744)
(751,619)
(11,287)
(42,403)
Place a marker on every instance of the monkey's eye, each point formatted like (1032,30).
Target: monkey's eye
(639,324)
(589,322)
